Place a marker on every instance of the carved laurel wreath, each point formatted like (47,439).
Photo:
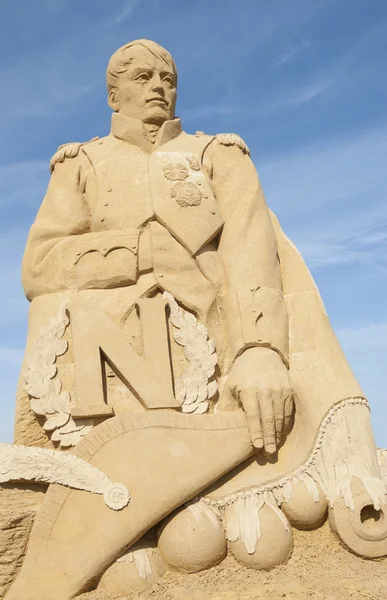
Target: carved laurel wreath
(44,387)
(47,399)
(194,388)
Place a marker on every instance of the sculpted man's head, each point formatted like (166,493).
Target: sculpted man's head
(142,80)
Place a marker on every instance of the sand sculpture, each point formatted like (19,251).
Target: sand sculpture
(183,393)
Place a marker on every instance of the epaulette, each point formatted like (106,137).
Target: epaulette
(232,139)
(70,150)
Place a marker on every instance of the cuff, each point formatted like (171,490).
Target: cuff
(256,316)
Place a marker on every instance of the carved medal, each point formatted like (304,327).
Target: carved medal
(186,193)
(193,163)
(177,172)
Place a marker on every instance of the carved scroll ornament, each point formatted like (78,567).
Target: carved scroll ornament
(24,463)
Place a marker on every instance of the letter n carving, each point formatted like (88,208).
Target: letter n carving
(96,336)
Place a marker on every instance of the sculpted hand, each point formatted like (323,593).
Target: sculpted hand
(260,381)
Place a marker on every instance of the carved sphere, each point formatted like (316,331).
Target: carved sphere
(302,510)
(128,577)
(192,541)
(274,546)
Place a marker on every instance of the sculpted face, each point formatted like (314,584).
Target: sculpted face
(147,89)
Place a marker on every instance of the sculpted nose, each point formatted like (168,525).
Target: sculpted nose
(156,84)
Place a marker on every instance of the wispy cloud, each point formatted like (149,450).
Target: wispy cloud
(126,11)
(305,93)
(291,53)
(206,112)
(331,198)
(294,98)
(55,93)
(362,337)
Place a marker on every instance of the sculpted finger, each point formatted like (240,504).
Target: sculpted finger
(249,402)
(266,410)
(288,411)
(278,418)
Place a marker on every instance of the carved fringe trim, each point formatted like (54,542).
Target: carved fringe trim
(25,463)
(141,560)
(344,449)
(382,458)
(242,520)
(200,510)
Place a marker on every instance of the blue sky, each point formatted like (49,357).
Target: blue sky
(302,81)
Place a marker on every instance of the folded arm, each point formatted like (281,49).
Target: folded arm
(62,252)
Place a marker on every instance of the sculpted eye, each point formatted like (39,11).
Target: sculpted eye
(169,80)
(142,77)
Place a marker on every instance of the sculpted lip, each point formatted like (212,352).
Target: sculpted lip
(158,99)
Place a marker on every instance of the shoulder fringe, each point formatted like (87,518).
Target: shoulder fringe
(232,139)
(70,150)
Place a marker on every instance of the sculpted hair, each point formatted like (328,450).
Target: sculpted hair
(121,59)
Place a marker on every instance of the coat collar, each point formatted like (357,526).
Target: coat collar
(132,131)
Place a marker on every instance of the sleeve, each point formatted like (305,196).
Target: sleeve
(63,217)
(252,301)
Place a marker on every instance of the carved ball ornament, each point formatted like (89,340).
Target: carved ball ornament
(186,193)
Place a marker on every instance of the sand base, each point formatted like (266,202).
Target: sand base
(319,569)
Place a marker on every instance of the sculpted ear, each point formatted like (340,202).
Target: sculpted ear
(112,101)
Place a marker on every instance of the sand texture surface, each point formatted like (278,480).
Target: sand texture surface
(319,569)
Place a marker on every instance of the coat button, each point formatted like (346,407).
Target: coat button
(106,203)
(109,188)
(102,219)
